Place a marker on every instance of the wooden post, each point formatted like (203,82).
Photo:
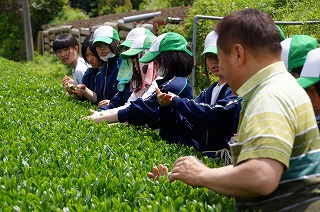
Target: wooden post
(27,30)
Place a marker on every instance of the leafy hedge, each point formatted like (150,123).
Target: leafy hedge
(52,160)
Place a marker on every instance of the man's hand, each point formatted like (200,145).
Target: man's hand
(159,171)
(186,169)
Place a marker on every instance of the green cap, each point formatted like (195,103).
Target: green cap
(282,36)
(210,43)
(134,33)
(295,50)
(310,73)
(139,44)
(170,41)
(105,34)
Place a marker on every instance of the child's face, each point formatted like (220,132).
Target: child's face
(212,62)
(102,49)
(315,98)
(92,59)
(67,55)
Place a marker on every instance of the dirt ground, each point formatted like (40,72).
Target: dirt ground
(173,12)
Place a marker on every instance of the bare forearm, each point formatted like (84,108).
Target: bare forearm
(107,117)
(252,178)
(90,95)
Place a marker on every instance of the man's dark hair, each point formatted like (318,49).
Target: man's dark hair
(64,41)
(254,30)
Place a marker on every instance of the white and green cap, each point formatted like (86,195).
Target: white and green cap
(169,41)
(105,34)
(134,33)
(282,35)
(295,50)
(210,43)
(139,44)
(310,73)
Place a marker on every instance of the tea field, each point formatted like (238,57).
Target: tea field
(52,160)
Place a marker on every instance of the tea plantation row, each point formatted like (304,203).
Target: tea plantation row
(52,160)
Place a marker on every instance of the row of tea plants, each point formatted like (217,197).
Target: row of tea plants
(52,160)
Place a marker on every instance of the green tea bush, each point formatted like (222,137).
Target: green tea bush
(52,160)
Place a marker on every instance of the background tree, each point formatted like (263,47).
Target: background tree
(106,7)
(12,44)
(88,6)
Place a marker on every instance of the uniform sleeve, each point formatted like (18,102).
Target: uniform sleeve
(141,112)
(121,97)
(203,114)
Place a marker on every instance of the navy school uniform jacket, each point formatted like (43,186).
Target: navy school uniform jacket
(141,112)
(89,78)
(201,125)
(119,99)
(106,79)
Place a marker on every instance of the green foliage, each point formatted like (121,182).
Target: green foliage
(12,42)
(89,6)
(52,160)
(158,4)
(48,66)
(114,6)
(280,10)
(68,14)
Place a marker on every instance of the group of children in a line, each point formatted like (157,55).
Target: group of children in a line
(128,82)
(270,131)
(123,85)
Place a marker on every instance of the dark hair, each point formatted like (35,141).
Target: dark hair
(88,43)
(136,75)
(254,30)
(114,47)
(174,63)
(64,41)
(317,86)
(297,70)
(206,67)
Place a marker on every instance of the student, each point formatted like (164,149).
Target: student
(174,62)
(106,40)
(66,48)
(142,74)
(126,71)
(88,86)
(310,80)
(295,50)
(133,34)
(276,152)
(143,82)
(208,121)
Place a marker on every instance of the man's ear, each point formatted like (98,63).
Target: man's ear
(240,53)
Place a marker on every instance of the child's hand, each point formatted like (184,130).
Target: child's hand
(163,98)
